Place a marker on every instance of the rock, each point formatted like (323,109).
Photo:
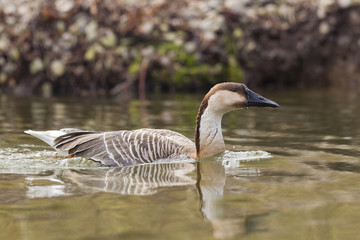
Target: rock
(60,26)
(324,28)
(344,3)
(307,45)
(15,53)
(9,67)
(4,43)
(190,43)
(91,31)
(90,54)
(64,5)
(109,40)
(57,68)
(190,46)
(146,27)
(36,65)
(3,78)
(148,51)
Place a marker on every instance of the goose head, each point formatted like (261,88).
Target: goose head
(222,98)
(225,97)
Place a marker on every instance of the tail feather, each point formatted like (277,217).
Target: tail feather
(48,137)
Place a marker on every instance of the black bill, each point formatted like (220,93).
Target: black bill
(256,100)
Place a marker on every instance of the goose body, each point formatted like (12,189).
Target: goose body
(129,147)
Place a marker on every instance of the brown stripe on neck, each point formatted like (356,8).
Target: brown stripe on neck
(202,108)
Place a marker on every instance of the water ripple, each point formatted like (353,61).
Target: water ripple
(231,159)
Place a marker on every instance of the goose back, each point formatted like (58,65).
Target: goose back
(126,147)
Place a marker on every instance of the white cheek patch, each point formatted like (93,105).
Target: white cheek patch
(238,99)
(224,101)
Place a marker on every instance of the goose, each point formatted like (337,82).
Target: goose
(141,146)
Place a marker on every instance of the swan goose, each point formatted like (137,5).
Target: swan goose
(129,147)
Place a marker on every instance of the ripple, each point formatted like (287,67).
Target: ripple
(231,159)
(29,160)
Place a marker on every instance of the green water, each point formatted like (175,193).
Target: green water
(288,173)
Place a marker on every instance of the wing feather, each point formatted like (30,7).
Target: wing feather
(123,148)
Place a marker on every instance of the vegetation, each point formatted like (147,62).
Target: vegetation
(111,48)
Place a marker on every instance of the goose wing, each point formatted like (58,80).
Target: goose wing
(125,147)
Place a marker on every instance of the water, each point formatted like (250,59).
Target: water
(288,173)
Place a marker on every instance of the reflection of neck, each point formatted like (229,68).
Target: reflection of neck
(210,184)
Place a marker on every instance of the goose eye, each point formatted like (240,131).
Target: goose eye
(235,89)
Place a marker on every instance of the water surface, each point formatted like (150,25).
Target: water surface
(288,173)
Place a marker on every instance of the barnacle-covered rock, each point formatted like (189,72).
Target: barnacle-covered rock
(57,68)
(109,39)
(4,43)
(36,66)
(98,47)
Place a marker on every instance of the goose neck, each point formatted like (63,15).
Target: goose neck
(208,137)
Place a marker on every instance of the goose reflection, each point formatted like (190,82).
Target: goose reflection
(133,180)
(211,180)
(208,176)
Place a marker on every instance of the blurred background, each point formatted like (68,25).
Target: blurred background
(109,48)
(88,64)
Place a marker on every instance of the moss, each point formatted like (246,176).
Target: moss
(109,40)
(186,59)
(36,66)
(15,53)
(165,47)
(234,71)
(90,54)
(187,69)
(135,66)
(186,74)
(238,33)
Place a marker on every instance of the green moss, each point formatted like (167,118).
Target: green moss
(135,66)
(109,40)
(3,78)
(36,66)
(185,68)
(186,59)
(164,48)
(90,54)
(235,72)
(15,53)
(238,33)
(186,74)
